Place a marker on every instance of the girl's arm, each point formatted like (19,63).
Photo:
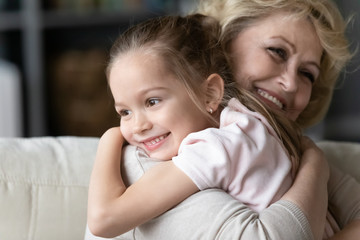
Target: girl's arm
(105,182)
(309,191)
(344,203)
(114,209)
(214,214)
(349,232)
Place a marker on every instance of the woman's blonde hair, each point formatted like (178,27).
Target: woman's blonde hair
(236,15)
(190,49)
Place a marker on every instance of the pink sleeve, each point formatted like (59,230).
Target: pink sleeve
(253,169)
(203,157)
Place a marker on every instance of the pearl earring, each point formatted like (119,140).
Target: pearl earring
(210,110)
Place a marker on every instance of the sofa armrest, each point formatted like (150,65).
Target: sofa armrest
(43,187)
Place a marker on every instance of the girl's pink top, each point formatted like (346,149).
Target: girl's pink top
(243,156)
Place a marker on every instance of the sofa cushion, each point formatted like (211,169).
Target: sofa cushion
(43,187)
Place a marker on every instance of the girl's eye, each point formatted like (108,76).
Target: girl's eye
(124,113)
(309,76)
(279,52)
(152,101)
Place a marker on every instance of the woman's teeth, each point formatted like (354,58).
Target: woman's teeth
(270,98)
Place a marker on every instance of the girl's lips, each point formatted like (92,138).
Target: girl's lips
(270,98)
(154,143)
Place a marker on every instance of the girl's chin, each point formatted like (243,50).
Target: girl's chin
(162,156)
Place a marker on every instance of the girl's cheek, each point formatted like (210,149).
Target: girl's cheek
(125,132)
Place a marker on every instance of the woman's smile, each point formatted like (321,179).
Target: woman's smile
(267,96)
(278,60)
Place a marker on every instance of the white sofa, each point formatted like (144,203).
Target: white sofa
(43,187)
(44,181)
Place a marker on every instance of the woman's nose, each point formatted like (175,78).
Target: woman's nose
(141,123)
(289,81)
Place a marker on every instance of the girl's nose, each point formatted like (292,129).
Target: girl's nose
(141,124)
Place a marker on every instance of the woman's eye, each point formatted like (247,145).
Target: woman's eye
(152,101)
(309,76)
(278,52)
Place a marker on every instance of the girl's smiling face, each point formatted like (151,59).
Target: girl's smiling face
(155,109)
(278,58)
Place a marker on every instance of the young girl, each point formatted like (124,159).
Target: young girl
(169,78)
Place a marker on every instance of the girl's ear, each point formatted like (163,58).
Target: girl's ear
(214,87)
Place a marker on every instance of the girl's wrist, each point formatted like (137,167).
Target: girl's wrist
(113,136)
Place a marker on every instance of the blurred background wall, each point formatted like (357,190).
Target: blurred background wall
(53,54)
(343,119)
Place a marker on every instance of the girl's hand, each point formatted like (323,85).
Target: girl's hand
(314,156)
(106,183)
(349,232)
(114,209)
(309,190)
(113,137)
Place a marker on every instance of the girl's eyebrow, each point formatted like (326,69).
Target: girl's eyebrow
(142,92)
(151,89)
(117,104)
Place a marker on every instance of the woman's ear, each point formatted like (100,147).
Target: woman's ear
(214,87)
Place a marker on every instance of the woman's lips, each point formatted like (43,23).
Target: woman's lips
(270,98)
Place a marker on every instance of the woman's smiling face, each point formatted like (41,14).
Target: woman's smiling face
(278,58)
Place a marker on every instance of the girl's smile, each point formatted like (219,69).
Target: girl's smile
(154,143)
(155,109)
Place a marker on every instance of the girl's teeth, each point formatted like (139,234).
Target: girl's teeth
(270,98)
(156,140)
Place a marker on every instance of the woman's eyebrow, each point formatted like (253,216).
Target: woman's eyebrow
(313,63)
(293,47)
